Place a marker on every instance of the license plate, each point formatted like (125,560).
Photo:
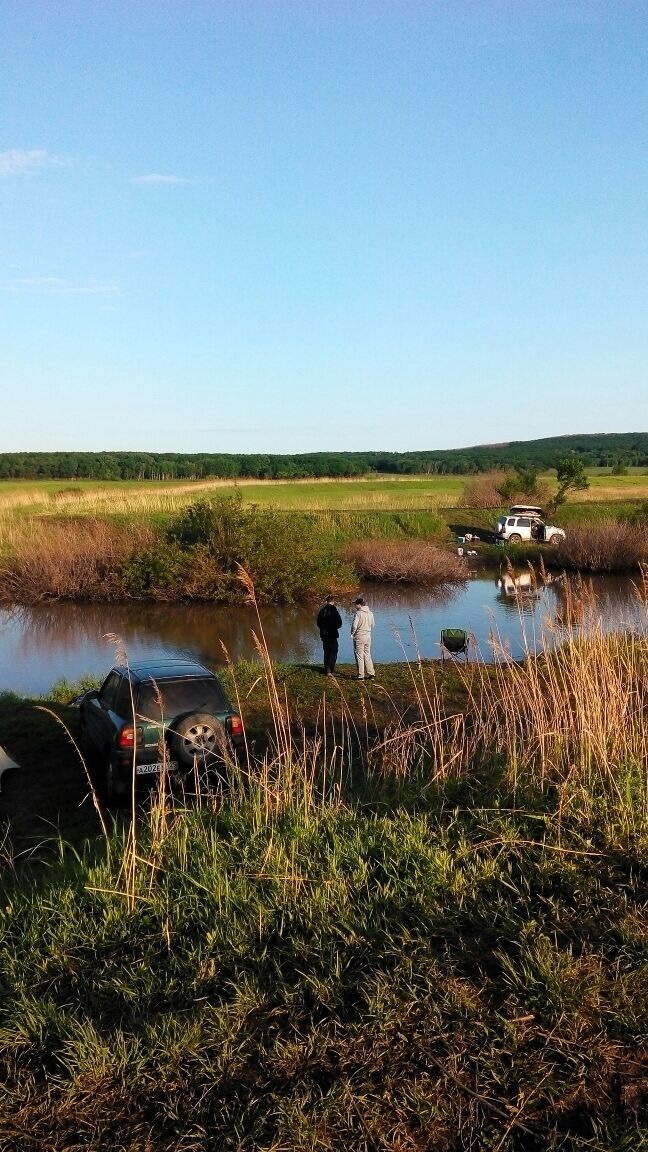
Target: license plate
(152,769)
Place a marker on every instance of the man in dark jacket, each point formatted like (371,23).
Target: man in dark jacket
(329,623)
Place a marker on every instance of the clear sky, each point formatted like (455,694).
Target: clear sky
(264,225)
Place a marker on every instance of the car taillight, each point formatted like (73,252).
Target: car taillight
(129,736)
(235,725)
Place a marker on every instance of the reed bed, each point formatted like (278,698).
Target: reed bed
(604,546)
(88,558)
(70,560)
(429,936)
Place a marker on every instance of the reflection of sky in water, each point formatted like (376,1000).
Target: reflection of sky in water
(42,644)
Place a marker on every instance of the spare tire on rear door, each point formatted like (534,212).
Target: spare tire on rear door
(198,735)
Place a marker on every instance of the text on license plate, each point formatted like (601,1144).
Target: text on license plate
(151,769)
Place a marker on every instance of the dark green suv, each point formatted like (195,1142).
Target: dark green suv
(154,705)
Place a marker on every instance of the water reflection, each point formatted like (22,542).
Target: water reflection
(192,628)
(40,644)
(518,593)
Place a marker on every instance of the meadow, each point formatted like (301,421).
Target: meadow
(415,919)
(151,498)
(391,494)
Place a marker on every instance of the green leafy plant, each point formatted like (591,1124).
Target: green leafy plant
(570,472)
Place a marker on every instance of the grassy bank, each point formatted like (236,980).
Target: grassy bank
(416,920)
(329,979)
(138,542)
(197,555)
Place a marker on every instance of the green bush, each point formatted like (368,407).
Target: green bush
(153,572)
(284,553)
(64,690)
(638,517)
(224,524)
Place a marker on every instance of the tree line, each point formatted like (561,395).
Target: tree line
(613,450)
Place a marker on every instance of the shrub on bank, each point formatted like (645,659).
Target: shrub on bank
(200,556)
(154,573)
(405,562)
(284,554)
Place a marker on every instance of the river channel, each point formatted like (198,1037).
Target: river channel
(42,644)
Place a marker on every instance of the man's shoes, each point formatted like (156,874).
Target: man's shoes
(360,679)
(371,677)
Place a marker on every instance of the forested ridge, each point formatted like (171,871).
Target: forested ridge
(628,449)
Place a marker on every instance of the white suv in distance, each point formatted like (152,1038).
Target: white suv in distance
(525,522)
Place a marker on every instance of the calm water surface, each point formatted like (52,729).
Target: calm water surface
(42,644)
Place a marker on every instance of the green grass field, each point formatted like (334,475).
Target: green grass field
(389,494)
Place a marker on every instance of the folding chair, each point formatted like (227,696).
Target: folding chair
(454,641)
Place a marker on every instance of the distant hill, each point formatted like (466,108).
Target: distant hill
(628,449)
(600,449)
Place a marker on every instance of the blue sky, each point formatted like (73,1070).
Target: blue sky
(275,226)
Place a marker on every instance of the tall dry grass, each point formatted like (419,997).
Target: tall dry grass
(572,718)
(569,721)
(72,560)
(603,546)
(484,492)
(405,562)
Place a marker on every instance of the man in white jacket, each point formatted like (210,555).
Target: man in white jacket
(363,622)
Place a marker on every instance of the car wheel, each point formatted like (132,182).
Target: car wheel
(198,735)
(116,789)
(515,538)
(554,540)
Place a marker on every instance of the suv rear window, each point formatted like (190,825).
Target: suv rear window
(179,696)
(124,705)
